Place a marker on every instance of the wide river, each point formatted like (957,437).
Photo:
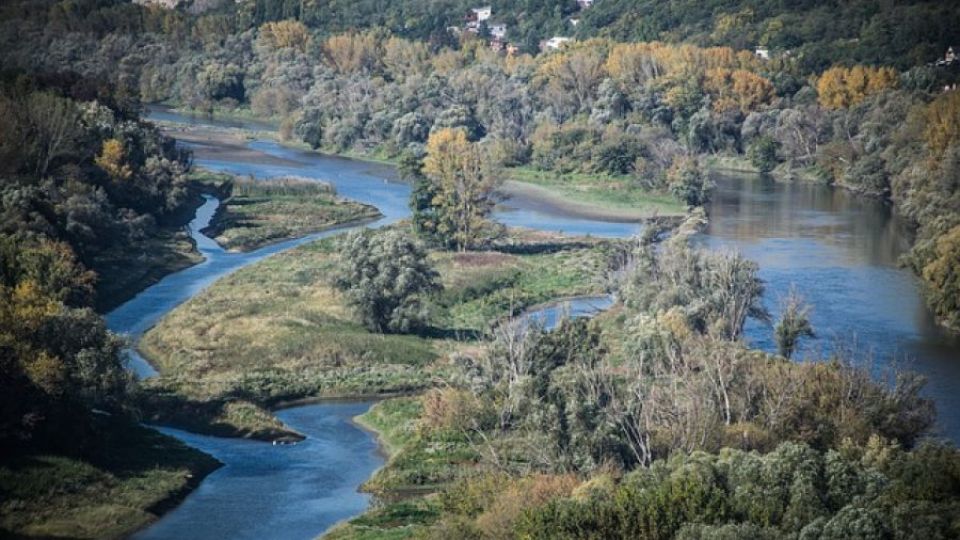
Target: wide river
(839,251)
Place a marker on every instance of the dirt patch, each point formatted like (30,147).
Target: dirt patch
(222,145)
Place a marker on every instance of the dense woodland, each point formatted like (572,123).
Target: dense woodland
(657,423)
(81,176)
(848,96)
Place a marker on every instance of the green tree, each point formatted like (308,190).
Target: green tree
(763,153)
(688,182)
(385,276)
(793,324)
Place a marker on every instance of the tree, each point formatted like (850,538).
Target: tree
(52,128)
(113,161)
(464,184)
(942,123)
(840,87)
(385,276)
(688,182)
(794,324)
(942,274)
(284,34)
(763,153)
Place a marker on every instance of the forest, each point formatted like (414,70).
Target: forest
(653,421)
(848,98)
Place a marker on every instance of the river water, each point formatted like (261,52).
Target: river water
(838,250)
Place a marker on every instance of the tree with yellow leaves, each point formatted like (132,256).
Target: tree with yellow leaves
(112,160)
(352,53)
(463,186)
(943,122)
(574,73)
(634,64)
(942,275)
(737,89)
(840,87)
(284,34)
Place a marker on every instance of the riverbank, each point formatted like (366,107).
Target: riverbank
(603,198)
(276,331)
(124,271)
(137,476)
(256,213)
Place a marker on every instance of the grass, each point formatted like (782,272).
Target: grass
(138,475)
(419,463)
(277,331)
(616,194)
(260,212)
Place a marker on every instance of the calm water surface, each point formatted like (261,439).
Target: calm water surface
(838,250)
(265,491)
(841,253)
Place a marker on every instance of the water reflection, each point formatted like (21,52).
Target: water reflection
(841,252)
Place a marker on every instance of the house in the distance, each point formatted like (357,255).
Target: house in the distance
(480,14)
(554,43)
(476,16)
(166,4)
(762,52)
(584,4)
(498,31)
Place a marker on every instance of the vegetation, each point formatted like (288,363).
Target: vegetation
(385,278)
(258,212)
(655,422)
(848,94)
(281,330)
(126,481)
(458,196)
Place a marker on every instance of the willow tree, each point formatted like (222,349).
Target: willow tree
(463,184)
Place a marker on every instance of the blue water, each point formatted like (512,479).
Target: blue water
(838,250)
(265,491)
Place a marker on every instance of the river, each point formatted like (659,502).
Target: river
(838,250)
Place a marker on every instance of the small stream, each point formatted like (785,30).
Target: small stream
(838,250)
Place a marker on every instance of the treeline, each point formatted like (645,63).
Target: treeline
(818,32)
(873,491)
(79,175)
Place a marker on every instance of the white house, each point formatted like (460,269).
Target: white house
(554,43)
(498,31)
(482,13)
(584,4)
(763,52)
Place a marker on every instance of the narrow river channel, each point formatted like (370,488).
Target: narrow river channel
(838,250)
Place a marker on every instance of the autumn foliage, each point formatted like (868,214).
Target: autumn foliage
(840,87)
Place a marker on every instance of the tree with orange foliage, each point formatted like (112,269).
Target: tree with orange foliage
(840,87)
(738,89)
(352,53)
